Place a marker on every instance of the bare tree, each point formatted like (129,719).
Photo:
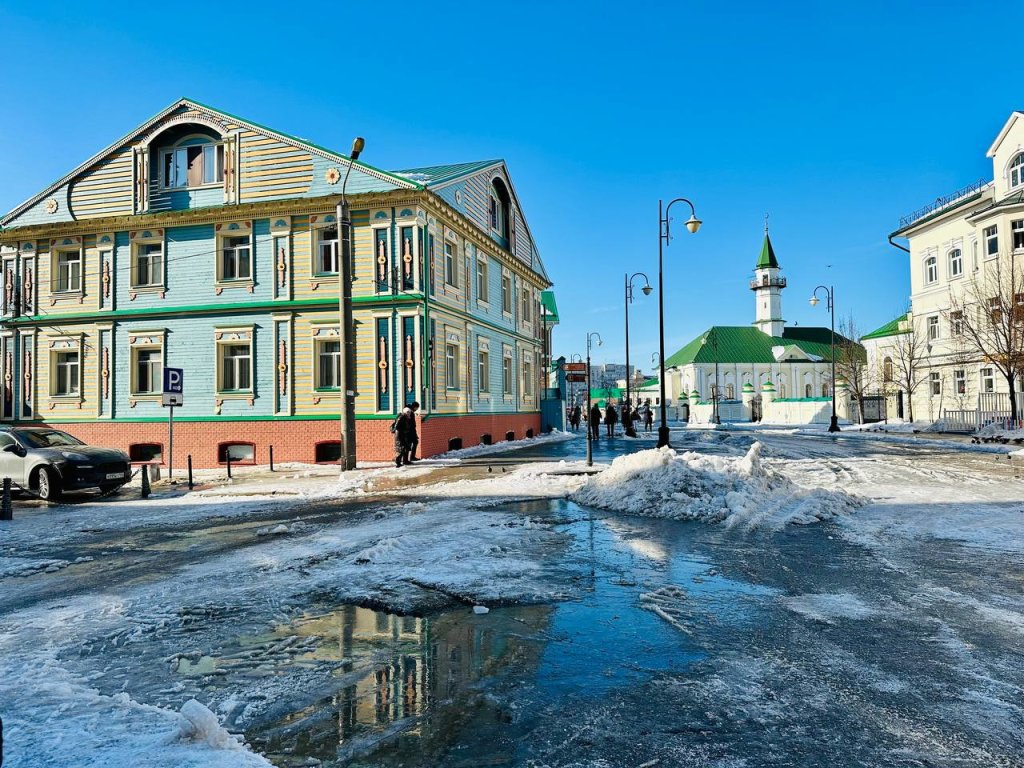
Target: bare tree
(989,316)
(851,362)
(909,349)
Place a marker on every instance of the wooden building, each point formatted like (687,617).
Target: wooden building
(209,243)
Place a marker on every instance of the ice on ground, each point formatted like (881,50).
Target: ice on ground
(826,607)
(692,486)
(200,725)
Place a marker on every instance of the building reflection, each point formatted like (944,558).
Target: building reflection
(404,680)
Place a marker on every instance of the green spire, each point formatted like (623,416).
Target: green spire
(767,258)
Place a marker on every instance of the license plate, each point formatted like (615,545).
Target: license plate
(115,476)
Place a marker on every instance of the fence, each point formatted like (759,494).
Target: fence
(993,410)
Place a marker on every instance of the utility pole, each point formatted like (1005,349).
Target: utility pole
(346,329)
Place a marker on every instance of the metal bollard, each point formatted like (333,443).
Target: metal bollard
(191,485)
(145,481)
(271,458)
(6,510)
(227,458)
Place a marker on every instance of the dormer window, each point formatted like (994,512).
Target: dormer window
(195,165)
(501,207)
(1017,171)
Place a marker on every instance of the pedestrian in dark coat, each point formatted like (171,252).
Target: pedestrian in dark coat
(648,417)
(610,417)
(577,414)
(595,421)
(406,437)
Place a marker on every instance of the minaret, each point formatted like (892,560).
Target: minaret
(767,286)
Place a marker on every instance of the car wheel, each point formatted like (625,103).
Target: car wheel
(48,484)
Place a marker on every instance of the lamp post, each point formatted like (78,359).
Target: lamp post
(664,237)
(830,296)
(590,425)
(630,432)
(575,357)
(347,374)
(716,416)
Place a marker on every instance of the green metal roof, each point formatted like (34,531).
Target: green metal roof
(767,258)
(547,300)
(433,175)
(743,344)
(892,328)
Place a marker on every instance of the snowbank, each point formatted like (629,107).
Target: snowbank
(692,486)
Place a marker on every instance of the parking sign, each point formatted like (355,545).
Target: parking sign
(174,381)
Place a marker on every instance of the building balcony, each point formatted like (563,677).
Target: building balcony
(768,282)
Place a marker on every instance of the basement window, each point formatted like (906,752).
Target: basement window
(328,452)
(145,452)
(240,453)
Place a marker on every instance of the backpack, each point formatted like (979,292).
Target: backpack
(394,424)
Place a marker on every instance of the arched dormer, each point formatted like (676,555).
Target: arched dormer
(187,157)
(1015,171)
(500,211)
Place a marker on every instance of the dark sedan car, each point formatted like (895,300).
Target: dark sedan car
(50,462)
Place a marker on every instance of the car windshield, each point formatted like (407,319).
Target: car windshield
(47,438)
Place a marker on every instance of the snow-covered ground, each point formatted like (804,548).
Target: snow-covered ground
(104,603)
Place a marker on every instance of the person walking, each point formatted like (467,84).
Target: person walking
(648,417)
(610,417)
(595,421)
(625,415)
(406,437)
(577,414)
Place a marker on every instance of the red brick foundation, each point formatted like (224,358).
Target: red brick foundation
(296,440)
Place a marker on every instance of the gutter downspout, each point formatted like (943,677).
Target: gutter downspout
(897,245)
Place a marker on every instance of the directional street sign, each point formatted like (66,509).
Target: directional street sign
(574,367)
(576,377)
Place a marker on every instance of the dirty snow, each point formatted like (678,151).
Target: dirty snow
(693,486)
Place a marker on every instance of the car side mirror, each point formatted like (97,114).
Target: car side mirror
(14,448)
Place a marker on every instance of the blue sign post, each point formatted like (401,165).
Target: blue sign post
(174,388)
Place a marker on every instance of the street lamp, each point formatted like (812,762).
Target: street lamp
(716,416)
(630,432)
(590,425)
(664,237)
(575,357)
(347,374)
(830,297)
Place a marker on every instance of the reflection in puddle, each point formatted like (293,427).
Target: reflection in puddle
(402,684)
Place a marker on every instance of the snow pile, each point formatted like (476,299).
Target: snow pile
(554,436)
(200,725)
(693,486)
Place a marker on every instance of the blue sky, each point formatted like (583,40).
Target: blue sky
(834,118)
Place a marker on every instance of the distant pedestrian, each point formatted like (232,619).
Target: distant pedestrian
(610,417)
(577,414)
(406,437)
(595,421)
(648,417)
(624,417)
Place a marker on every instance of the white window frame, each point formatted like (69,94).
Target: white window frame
(956,263)
(956,323)
(1017,235)
(932,325)
(935,383)
(526,312)
(991,236)
(451,263)
(138,254)
(223,362)
(172,182)
(507,374)
(483,371)
(72,373)
(157,376)
(56,270)
(931,270)
(483,288)
(506,294)
(960,381)
(223,249)
(451,365)
(527,378)
(1016,171)
(986,380)
(319,356)
(334,246)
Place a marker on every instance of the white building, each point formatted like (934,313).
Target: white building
(765,371)
(966,253)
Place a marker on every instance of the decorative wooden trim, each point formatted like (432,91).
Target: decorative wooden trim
(282,268)
(282,367)
(105,373)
